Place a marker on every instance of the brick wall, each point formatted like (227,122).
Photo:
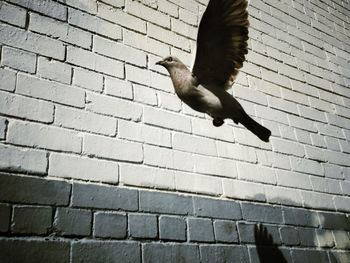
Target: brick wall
(102,162)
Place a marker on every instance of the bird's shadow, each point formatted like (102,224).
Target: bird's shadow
(267,250)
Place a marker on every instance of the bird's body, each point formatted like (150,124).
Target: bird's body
(214,71)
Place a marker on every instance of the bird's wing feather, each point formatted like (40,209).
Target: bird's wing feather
(221,42)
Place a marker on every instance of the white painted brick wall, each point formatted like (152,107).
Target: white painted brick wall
(82,98)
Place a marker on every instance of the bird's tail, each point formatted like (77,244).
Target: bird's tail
(256,128)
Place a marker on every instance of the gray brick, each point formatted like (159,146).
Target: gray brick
(342,239)
(5,212)
(34,251)
(105,251)
(339,256)
(200,229)
(172,228)
(307,237)
(12,14)
(7,79)
(223,253)
(143,226)
(225,231)
(3,127)
(290,236)
(261,254)
(310,256)
(73,222)
(18,59)
(300,217)
(334,220)
(31,220)
(262,213)
(246,232)
(30,190)
(110,225)
(172,253)
(165,203)
(106,197)
(324,238)
(217,208)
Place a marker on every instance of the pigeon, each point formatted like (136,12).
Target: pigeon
(221,49)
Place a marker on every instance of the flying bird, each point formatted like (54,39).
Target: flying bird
(221,48)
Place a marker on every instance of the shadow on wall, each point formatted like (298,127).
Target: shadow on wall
(266,249)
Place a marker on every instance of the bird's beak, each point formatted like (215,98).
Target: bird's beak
(161,62)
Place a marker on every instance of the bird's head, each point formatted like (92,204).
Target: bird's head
(170,62)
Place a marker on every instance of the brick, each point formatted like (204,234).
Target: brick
(315,153)
(290,236)
(223,253)
(342,203)
(161,252)
(31,220)
(5,212)
(93,61)
(111,148)
(287,147)
(42,136)
(7,79)
(236,151)
(317,200)
(3,128)
(26,108)
(119,51)
(225,231)
(23,160)
(169,101)
(180,27)
(215,166)
(145,95)
(307,237)
(337,158)
(300,217)
(147,13)
(172,228)
(283,195)
(165,203)
(48,7)
(339,256)
(18,59)
(259,252)
(32,42)
(139,175)
(142,226)
(206,129)
(137,75)
(60,30)
(189,143)
(48,90)
(161,82)
(85,121)
(73,222)
(293,179)
(114,107)
(200,229)
(118,88)
(17,250)
(110,225)
(262,213)
(145,43)
(192,182)
(120,17)
(104,197)
(54,70)
(275,78)
(32,190)
(105,251)
(94,24)
(324,238)
(188,17)
(312,256)
(216,208)
(167,158)
(243,190)
(13,15)
(89,6)
(341,239)
(144,133)
(88,79)
(71,166)
(167,120)
(307,166)
(247,232)
(271,114)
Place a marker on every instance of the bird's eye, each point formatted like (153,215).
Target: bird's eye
(169,59)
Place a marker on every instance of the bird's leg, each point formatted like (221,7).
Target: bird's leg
(217,122)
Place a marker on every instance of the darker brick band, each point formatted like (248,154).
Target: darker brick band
(59,221)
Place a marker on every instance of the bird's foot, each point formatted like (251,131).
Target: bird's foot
(218,122)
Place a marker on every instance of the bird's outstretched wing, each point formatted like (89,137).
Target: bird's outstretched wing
(221,42)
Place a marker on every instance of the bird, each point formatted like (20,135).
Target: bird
(221,48)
